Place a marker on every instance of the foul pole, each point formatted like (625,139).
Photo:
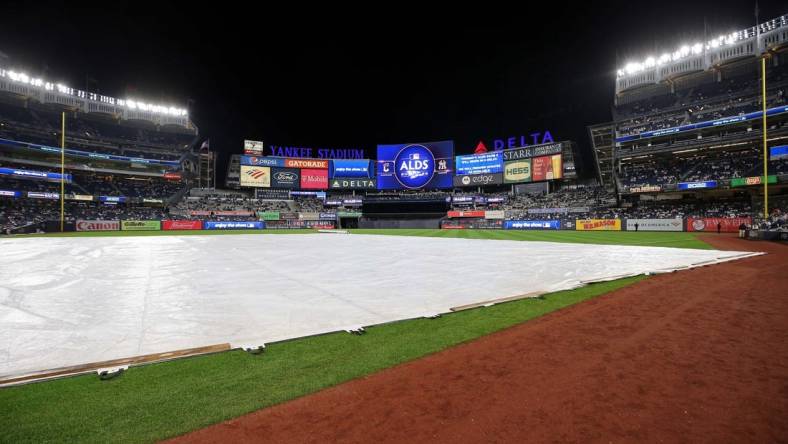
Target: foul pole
(62,167)
(765,151)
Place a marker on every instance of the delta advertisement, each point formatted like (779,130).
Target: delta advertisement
(255,176)
(181,225)
(140,225)
(353,184)
(236,225)
(655,225)
(350,169)
(598,224)
(313,179)
(415,166)
(98,225)
(487,163)
(517,171)
(727,224)
(532,225)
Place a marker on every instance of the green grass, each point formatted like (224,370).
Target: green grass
(642,238)
(162,400)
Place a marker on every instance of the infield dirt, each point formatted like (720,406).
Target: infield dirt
(693,356)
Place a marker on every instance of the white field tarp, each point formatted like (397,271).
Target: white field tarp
(73,301)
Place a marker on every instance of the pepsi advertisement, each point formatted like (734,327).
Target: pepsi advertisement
(415,166)
(487,163)
(350,169)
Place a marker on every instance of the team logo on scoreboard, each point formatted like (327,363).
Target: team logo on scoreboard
(414,166)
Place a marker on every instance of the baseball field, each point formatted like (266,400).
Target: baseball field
(695,355)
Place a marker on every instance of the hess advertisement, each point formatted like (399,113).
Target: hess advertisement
(415,165)
(517,171)
(255,176)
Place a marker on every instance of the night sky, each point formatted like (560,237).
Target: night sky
(355,77)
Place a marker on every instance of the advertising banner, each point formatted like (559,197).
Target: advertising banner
(352,202)
(353,184)
(697,185)
(645,189)
(234,225)
(598,224)
(9,193)
(315,164)
(115,199)
(83,197)
(289,178)
(140,225)
(181,225)
(532,151)
(494,214)
(309,216)
(172,176)
(486,163)
(471,224)
(268,215)
(546,168)
(266,193)
(299,224)
(778,152)
(328,216)
(221,213)
(253,147)
(727,224)
(477,180)
(314,179)
(145,200)
(38,195)
(517,171)
(479,213)
(98,225)
(655,224)
(350,168)
(532,225)
(255,176)
(749,181)
(415,165)
(288,216)
(263,161)
(29,174)
(353,214)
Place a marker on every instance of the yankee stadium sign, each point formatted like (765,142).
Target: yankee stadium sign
(320,153)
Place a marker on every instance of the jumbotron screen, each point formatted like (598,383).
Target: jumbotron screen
(415,166)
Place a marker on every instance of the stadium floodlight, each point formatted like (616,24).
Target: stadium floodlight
(697,49)
(21,77)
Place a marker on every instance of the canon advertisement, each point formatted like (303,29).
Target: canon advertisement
(98,225)
(415,166)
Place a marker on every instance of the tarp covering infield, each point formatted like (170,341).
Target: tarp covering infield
(71,301)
